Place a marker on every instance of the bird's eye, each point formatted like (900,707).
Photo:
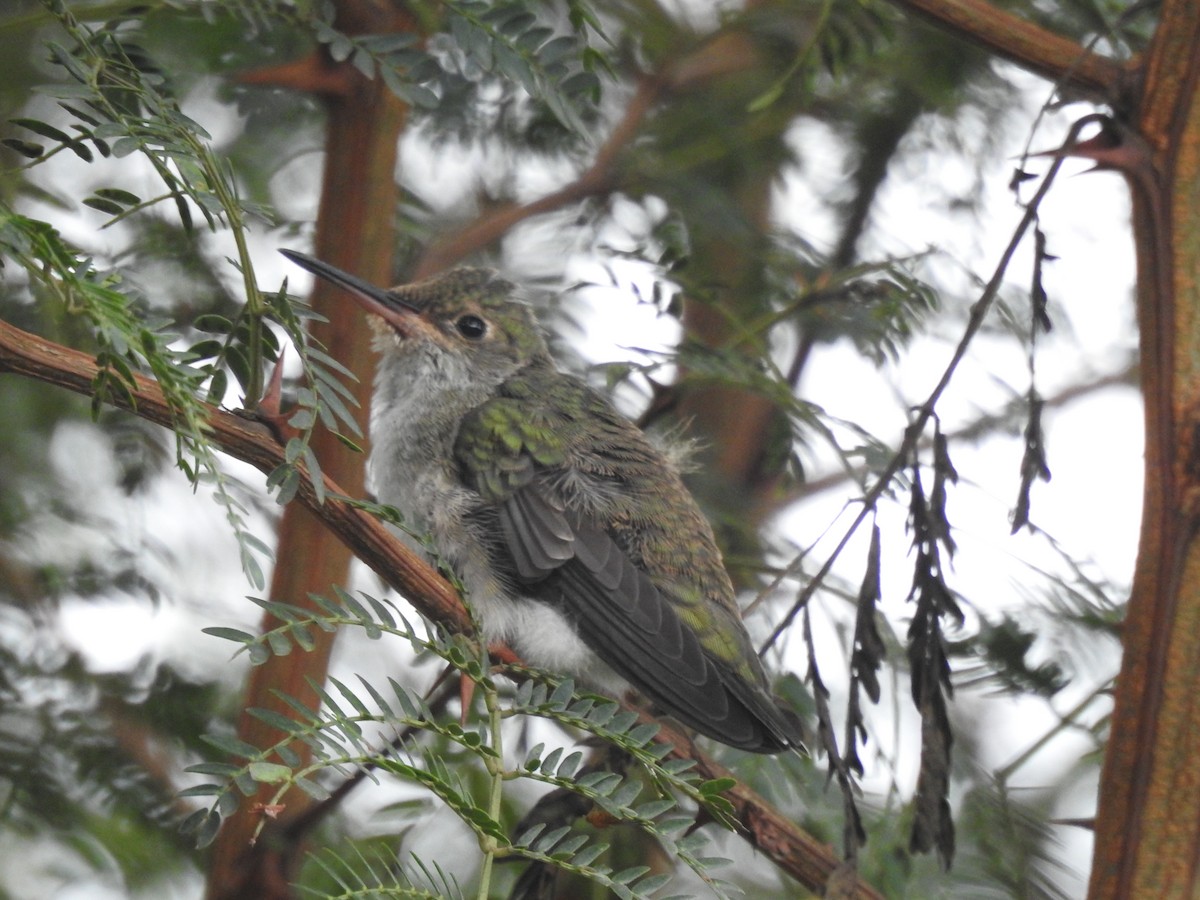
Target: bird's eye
(471,327)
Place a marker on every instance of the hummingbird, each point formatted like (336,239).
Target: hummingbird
(574,536)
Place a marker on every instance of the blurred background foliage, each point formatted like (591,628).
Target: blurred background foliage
(109,566)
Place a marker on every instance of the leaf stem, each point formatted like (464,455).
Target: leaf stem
(226,193)
(495,767)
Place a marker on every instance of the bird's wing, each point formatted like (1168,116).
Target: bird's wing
(568,559)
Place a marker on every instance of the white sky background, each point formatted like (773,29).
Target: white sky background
(1092,505)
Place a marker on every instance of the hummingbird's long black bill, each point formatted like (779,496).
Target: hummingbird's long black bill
(383,303)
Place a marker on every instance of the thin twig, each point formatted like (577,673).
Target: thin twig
(973,431)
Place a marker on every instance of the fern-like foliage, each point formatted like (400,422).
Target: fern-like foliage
(348,732)
(122,103)
(371,876)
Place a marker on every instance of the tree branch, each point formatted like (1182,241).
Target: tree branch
(809,861)
(1145,845)
(246,439)
(355,231)
(1030,46)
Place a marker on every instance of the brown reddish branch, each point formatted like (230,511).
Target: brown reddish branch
(810,862)
(246,439)
(1147,832)
(1030,46)
(790,847)
(355,231)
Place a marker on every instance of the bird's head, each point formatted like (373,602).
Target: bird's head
(466,320)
